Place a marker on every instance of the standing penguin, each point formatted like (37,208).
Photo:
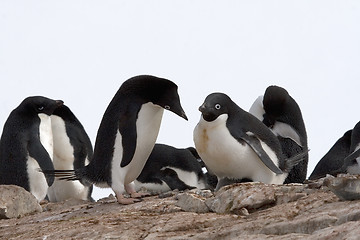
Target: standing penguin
(351,163)
(72,150)
(170,168)
(333,160)
(127,135)
(26,146)
(280,112)
(236,145)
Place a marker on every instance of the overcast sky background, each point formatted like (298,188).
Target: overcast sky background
(82,51)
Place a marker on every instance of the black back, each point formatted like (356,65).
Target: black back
(20,137)
(334,158)
(350,163)
(240,122)
(355,137)
(121,115)
(279,106)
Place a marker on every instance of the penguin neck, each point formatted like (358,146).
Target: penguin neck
(222,119)
(45,133)
(148,125)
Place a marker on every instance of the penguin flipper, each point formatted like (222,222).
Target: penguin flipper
(294,160)
(352,156)
(127,129)
(255,144)
(39,153)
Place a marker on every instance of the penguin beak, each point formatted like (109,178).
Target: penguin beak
(179,111)
(183,115)
(202,108)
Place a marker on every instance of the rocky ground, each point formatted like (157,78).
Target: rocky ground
(241,211)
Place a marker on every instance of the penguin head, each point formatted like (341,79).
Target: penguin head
(215,105)
(39,104)
(159,91)
(355,138)
(275,99)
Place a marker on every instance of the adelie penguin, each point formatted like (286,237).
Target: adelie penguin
(235,145)
(26,146)
(352,161)
(72,150)
(333,160)
(127,135)
(170,168)
(280,112)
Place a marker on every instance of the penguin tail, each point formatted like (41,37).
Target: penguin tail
(68,175)
(294,160)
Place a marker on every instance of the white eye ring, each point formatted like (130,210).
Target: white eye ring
(217,106)
(41,108)
(167,107)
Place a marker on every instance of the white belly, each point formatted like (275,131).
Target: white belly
(45,132)
(63,190)
(147,128)
(152,187)
(355,168)
(189,178)
(64,160)
(63,150)
(226,157)
(37,180)
(257,108)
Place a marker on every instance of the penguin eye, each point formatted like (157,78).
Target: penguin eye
(167,107)
(41,108)
(217,106)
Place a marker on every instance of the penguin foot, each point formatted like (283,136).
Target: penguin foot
(139,195)
(126,201)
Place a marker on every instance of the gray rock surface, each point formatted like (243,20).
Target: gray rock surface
(346,187)
(191,203)
(260,212)
(252,196)
(15,202)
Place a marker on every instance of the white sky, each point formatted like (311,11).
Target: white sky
(81,52)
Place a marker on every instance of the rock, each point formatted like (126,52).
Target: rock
(251,196)
(346,187)
(191,202)
(294,212)
(166,194)
(307,226)
(110,198)
(16,202)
